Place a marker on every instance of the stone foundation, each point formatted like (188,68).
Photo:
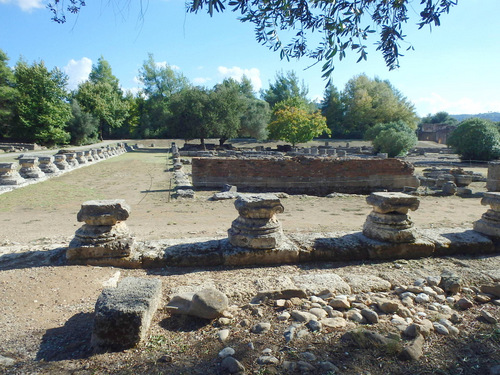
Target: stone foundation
(304,175)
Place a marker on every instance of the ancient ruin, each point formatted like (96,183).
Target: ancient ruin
(389,220)
(9,174)
(47,164)
(61,163)
(29,167)
(104,234)
(489,224)
(257,226)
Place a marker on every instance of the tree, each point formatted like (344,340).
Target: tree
(102,97)
(8,96)
(189,118)
(476,139)
(333,109)
(225,109)
(83,127)
(394,138)
(295,124)
(342,25)
(42,110)
(160,82)
(255,119)
(439,118)
(285,87)
(367,102)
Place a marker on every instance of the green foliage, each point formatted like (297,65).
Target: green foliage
(160,82)
(83,127)
(42,110)
(295,124)
(476,139)
(8,96)
(254,119)
(394,138)
(333,109)
(102,97)
(439,118)
(366,102)
(342,25)
(285,87)
(189,118)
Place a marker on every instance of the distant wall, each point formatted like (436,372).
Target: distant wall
(303,175)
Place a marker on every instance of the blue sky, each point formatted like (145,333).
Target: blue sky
(454,68)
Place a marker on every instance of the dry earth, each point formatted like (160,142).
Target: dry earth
(46,312)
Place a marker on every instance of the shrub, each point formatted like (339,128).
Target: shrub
(394,138)
(476,139)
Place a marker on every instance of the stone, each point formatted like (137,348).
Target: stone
(328,367)
(179,304)
(9,174)
(80,157)
(30,168)
(389,220)
(123,314)
(319,312)
(422,298)
(441,329)
(387,306)
(364,339)
(415,350)
(261,328)
(464,303)
(232,365)
(314,325)
(302,316)
(104,212)
(450,282)
(47,164)
(226,352)
(433,280)
(320,284)
(370,315)
(493,289)
(6,361)
(489,224)
(223,334)
(340,302)
(488,317)
(367,283)
(61,163)
(208,304)
(257,226)
(267,360)
(449,188)
(334,323)
(289,333)
(285,315)
(482,298)
(304,366)
(355,316)
(185,193)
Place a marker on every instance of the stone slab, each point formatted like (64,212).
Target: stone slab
(123,314)
(104,212)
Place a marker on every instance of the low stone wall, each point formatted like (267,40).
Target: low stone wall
(304,175)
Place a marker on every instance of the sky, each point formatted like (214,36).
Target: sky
(453,67)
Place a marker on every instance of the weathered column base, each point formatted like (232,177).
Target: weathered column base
(396,228)
(101,241)
(9,174)
(256,233)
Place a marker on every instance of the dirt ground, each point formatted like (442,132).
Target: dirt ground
(46,312)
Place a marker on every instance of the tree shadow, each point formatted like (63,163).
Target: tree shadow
(184,323)
(71,341)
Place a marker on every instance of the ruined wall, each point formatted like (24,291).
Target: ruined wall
(303,175)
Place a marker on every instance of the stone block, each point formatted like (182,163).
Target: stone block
(61,163)
(30,168)
(47,164)
(257,226)
(104,212)
(104,234)
(9,174)
(389,221)
(489,224)
(123,314)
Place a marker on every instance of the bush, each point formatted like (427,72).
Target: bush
(476,139)
(394,138)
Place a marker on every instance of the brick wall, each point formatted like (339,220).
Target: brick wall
(303,175)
